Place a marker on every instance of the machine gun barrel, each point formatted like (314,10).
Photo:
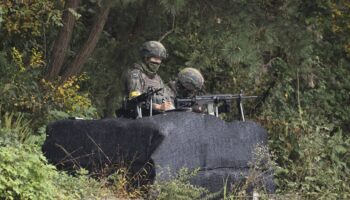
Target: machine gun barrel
(214,100)
(218,97)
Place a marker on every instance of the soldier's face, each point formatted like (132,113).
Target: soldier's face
(183,92)
(153,63)
(155,60)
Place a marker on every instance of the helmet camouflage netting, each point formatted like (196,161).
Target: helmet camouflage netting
(153,49)
(191,79)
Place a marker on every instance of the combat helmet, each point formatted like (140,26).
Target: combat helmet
(191,79)
(153,49)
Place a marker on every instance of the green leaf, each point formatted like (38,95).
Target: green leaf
(340,149)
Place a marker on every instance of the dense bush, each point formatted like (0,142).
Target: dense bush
(24,90)
(308,137)
(21,177)
(25,173)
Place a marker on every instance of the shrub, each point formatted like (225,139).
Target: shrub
(25,173)
(308,135)
(178,187)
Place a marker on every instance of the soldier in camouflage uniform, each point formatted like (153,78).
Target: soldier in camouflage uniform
(143,75)
(189,82)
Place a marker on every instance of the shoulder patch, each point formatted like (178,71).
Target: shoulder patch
(134,74)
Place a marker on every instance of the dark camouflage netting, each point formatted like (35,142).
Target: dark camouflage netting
(222,150)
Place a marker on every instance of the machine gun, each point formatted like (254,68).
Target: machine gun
(141,101)
(214,101)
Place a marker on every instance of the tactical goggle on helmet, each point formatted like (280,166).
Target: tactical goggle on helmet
(153,49)
(191,79)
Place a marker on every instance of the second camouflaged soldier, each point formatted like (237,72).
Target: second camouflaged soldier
(189,82)
(143,75)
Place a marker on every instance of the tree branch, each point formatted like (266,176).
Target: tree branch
(170,31)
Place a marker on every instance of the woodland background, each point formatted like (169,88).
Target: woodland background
(65,58)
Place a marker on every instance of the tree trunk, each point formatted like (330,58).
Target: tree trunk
(89,45)
(62,41)
(138,26)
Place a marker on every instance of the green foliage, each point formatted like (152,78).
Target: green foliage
(28,25)
(80,186)
(261,166)
(178,187)
(25,91)
(325,161)
(29,30)
(20,83)
(123,184)
(20,178)
(28,17)
(309,143)
(309,163)
(14,129)
(294,53)
(67,98)
(25,174)
(173,6)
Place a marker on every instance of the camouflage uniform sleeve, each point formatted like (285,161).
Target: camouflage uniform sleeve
(169,94)
(133,81)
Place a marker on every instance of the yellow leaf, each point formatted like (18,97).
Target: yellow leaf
(61,91)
